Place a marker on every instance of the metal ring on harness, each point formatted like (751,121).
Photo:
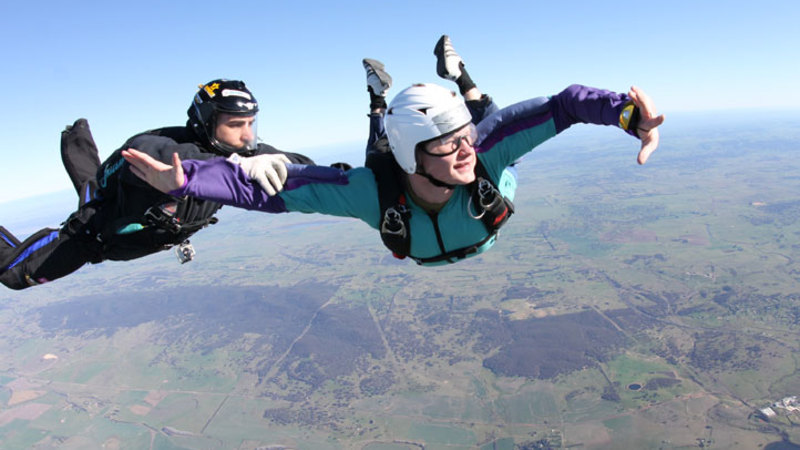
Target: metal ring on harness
(469,210)
(485,190)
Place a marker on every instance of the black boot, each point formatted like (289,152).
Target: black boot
(8,243)
(80,157)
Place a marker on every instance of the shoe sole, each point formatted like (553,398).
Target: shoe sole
(377,68)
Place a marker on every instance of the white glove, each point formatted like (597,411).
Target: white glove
(269,171)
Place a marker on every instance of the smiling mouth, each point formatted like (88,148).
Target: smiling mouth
(462,165)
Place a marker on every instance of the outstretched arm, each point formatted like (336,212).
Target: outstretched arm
(584,104)
(215,179)
(268,170)
(516,129)
(223,181)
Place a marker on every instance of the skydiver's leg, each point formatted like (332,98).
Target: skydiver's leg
(49,253)
(481,108)
(8,248)
(45,256)
(378,83)
(80,157)
(450,66)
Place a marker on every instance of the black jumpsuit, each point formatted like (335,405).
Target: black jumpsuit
(120,216)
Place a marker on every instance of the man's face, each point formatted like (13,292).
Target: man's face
(236,131)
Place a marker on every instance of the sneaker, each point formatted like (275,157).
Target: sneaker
(448,63)
(378,81)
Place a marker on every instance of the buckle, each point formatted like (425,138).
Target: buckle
(393,221)
(486,193)
(157,216)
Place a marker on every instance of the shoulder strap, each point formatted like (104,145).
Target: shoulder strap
(494,209)
(394,213)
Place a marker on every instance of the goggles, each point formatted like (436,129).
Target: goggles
(451,143)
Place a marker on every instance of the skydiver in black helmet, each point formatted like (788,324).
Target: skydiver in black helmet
(120,217)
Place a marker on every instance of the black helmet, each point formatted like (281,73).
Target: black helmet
(221,96)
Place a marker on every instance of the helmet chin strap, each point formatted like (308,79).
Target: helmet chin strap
(434,181)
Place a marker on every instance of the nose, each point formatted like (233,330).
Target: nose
(465,148)
(247,133)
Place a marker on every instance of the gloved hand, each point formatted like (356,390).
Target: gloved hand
(269,171)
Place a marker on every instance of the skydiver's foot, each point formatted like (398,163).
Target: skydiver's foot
(450,66)
(8,244)
(378,81)
(7,239)
(448,63)
(80,123)
(79,155)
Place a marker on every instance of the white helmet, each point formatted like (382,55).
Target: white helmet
(420,113)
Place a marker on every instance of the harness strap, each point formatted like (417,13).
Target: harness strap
(457,254)
(394,229)
(495,208)
(162,217)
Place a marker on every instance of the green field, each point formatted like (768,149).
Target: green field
(622,307)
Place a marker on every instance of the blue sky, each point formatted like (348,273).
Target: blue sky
(132,66)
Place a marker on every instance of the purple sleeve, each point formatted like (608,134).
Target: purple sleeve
(583,104)
(224,182)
